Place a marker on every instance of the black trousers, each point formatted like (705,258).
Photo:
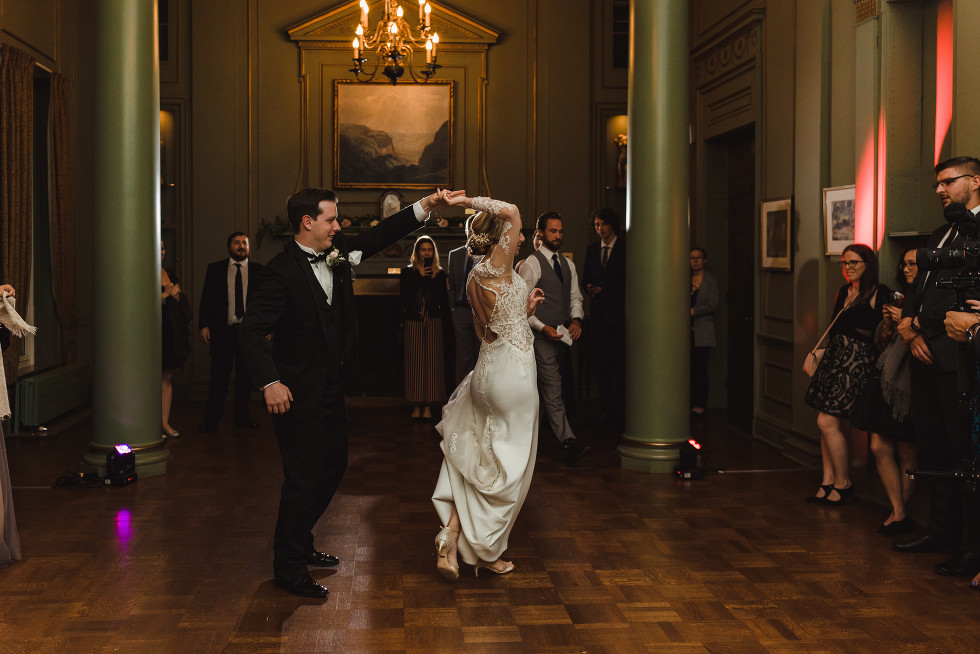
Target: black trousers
(940,439)
(607,355)
(225,355)
(699,374)
(314,458)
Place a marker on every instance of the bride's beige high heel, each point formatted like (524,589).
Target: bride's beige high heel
(508,567)
(444,547)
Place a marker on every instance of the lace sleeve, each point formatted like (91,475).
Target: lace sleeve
(492,207)
(504,241)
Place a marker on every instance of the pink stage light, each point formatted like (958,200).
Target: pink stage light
(944,72)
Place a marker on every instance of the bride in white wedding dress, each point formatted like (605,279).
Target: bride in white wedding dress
(489,426)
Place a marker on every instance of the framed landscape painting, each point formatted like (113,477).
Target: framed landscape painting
(393,136)
(838,217)
(777,234)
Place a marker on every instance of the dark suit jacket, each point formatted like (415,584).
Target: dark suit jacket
(609,306)
(213,312)
(457,278)
(311,338)
(935,302)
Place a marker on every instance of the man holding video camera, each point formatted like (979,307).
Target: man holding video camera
(939,421)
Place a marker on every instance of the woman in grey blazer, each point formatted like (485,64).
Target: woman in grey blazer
(704,302)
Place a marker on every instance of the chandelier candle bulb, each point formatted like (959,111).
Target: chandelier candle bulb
(364,14)
(400,12)
(428,11)
(357,49)
(428,51)
(435,42)
(421,9)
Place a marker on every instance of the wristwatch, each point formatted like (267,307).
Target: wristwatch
(971,332)
(915,326)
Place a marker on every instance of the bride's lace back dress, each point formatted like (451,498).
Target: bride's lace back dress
(489,426)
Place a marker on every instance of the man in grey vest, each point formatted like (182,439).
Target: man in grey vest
(556,324)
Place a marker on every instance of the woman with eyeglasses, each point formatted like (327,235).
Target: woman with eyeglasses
(885,411)
(704,303)
(841,378)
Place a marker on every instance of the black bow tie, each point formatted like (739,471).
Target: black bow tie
(316,258)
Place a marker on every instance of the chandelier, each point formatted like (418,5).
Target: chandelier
(394,43)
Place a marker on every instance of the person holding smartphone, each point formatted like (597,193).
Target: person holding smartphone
(425,315)
(884,413)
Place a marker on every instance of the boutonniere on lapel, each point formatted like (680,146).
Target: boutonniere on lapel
(334,258)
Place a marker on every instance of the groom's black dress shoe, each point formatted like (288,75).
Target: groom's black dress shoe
(246,424)
(925,544)
(304,587)
(965,564)
(321,560)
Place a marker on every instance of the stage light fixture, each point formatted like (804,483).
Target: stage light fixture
(120,466)
(687,467)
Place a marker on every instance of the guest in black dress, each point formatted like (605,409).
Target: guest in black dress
(425,312)
(885,412)
(843,375)
(177,317)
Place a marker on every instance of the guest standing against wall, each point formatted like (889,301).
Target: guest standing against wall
(425,313)
(843,374)
(177,317)
(704,303)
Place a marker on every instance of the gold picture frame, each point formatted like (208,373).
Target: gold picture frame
(777,234)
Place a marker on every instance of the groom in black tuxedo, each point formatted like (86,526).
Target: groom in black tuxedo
(299,336)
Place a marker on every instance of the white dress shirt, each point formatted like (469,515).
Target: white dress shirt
(530,272)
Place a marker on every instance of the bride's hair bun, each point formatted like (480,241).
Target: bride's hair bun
(485,231)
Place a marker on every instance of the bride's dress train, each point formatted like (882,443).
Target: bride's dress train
(489,426)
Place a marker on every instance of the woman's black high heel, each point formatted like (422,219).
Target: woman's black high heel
(844,496)
(813,499)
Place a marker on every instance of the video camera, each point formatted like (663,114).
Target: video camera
(965,258)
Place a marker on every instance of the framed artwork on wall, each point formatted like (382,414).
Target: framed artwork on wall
(777,234)
(393,136)
(838,217)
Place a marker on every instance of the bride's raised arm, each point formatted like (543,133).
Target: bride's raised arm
(508,214)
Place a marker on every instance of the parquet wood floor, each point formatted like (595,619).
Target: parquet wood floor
(607,560)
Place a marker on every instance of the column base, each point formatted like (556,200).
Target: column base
(649,457)
(151,460)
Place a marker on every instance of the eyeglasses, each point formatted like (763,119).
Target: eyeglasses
(697,258)
(852,264)
(910,264)
(949,180)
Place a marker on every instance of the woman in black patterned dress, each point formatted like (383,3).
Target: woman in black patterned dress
(840,381)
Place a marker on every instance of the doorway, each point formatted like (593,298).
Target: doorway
(740,300)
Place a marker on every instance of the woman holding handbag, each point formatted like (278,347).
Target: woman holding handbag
(843,374)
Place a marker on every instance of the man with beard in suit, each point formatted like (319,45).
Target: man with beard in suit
(604,278)
(940,430)
(224,299)
(300,340)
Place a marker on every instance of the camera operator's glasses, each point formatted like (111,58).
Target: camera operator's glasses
(910,264)
(852,264)
(949,180)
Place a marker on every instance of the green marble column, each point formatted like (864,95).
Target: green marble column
(126,286)
(657,301)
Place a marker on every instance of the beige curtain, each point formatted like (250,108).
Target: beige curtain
(16,181)
(63,213)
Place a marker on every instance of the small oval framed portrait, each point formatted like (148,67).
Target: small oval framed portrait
(390,203)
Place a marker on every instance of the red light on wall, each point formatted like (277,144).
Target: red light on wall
(944,72)
(865,193)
